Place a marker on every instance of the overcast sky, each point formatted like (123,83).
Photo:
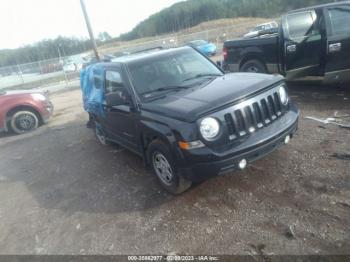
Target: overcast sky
(27,21)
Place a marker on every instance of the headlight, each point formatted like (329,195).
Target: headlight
(283,95)
(39,97)
(209,128)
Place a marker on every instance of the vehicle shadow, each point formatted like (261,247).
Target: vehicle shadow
(66,168)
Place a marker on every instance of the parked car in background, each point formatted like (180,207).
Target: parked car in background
(204,47)
(313,41)
(260,29)
(50,68)
(70,67)
(23,111)
(187,119)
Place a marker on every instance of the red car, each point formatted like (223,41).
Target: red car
(23,111)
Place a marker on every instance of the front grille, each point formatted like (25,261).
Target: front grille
(253,114)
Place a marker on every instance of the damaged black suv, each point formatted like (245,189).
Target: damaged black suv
(187,119)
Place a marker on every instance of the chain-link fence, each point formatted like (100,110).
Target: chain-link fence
(37,74)
(53,71)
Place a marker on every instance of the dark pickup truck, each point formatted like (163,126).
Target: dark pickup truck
(314,41)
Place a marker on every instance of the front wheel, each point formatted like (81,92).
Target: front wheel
(163,167)
(23,121)
(253,66)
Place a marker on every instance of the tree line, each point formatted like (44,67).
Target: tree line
(190,13)
(49,48)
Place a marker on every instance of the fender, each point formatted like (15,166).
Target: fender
(152,130)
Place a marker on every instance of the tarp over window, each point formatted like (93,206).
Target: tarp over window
(92,86)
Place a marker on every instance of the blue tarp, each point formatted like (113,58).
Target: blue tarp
(91,84)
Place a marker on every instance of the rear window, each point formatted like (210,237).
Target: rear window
(300,24)
(340,20)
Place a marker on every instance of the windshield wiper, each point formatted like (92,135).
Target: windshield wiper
(201,75)
(164,88)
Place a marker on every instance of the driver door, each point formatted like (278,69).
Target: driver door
(302,44)
(120,113)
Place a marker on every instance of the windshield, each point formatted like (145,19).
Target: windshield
(180,69)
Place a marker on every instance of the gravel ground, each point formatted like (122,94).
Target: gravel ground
(63,193)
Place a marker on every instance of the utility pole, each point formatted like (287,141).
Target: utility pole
(60,58)
(88,25)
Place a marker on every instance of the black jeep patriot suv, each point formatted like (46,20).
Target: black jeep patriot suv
(187,119)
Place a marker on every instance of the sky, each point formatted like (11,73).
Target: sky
(28,21)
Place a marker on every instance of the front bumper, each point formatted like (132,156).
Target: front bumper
(254,149)
(47,112)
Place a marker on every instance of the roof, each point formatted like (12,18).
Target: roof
(320,6)
(149,54)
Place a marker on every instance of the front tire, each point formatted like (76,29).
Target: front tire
(23,122)
(162,163)
(253,66)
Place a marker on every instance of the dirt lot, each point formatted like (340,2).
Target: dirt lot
(63,193)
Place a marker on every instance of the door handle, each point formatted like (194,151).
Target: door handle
(291,48)
(336,47)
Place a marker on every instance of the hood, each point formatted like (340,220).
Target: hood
(190,104)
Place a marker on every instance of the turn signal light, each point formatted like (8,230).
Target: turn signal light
(190,145)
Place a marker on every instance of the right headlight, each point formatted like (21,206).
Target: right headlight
(209,128)
(283,95)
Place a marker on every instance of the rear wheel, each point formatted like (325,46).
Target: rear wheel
(161,160)
(253,66)
(23,121)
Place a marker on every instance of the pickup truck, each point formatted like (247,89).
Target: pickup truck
(314,41)
(187,119)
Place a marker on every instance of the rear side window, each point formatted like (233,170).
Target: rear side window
(114,82)
(301,24)
(340,20)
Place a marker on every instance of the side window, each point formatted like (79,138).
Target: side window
(114,82)
(340,20)
(301,25)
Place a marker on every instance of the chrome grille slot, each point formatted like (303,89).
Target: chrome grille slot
(271,105)
(230,124)
(266,110)
(248,116)
(258,115)
(277,103)
(240,122)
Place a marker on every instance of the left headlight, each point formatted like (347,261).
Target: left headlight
(283,95)
(209,128)
(39,97)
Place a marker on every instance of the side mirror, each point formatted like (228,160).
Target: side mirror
(118,98)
